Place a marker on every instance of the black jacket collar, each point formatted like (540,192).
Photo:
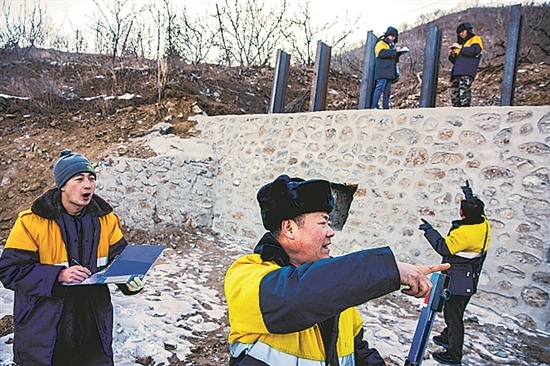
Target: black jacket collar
(270,250)
(48,205)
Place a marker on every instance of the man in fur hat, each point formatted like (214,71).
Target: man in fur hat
(465,55)
(290,302)
(68,234)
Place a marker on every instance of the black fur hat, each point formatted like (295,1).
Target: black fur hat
(286,198)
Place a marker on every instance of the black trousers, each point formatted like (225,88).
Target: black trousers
(88,353)
(454,321)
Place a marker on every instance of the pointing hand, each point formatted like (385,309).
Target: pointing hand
(425,226)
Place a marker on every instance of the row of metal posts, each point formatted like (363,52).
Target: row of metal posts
(430,71)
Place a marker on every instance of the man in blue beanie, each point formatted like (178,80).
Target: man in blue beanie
(68,234)
(290,302)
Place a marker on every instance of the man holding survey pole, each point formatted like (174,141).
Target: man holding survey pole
(67,235)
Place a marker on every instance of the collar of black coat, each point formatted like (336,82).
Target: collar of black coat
(269,249)
(468,221)
(48,205)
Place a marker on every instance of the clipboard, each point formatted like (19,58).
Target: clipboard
(133,261)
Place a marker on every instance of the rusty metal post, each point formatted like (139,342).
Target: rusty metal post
(280,82)
(320,82)
(367,77)
(430,71)
(511,61)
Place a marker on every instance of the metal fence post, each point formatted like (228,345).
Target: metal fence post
(430,71)
(367,77)
(280,82)
(511,61)
(320,82)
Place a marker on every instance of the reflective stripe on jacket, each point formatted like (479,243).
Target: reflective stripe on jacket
(30,263)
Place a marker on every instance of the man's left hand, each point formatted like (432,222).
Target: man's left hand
(136,284)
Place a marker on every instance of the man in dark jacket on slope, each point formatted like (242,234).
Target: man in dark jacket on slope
(386,71)
(465,55)
(290,302)
(68,234)
(465,248)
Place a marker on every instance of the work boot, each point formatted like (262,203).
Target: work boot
(440,341)
(446,359)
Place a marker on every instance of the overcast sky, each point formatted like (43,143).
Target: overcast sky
(375,15)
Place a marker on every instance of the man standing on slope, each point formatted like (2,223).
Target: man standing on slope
(465,55)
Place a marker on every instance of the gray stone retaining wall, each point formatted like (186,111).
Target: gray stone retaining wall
(406,164)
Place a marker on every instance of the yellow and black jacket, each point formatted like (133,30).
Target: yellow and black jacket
(40,245)
(306,315)
(465,247)
(466,59)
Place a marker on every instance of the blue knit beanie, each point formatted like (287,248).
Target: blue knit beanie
(68,165)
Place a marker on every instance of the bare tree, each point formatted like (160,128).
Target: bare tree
(302,33)
(115,21)
(195,39)
(250,31)
(28,28)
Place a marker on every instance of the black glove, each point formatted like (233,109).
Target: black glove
(425,226)
(468,193)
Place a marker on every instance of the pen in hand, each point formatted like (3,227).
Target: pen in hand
(74,274)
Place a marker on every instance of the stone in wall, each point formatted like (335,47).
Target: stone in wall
(537,209)
(518,116)
(526,321)
(542,278)
(526,258)
(434,173)
(446,134)
(446,158)
(455,121)
(496,172)
(544,124)
(520,163)
(417,157)
(472,139)
(497,301)
(385,123)
(538,181)
(430,124)
(486,121)
(407,135)
(531,242)
(526,129)
(535,297)
(502,139)
(528,227)
(446,146)
(535,148)
(510,271)
(365,122)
